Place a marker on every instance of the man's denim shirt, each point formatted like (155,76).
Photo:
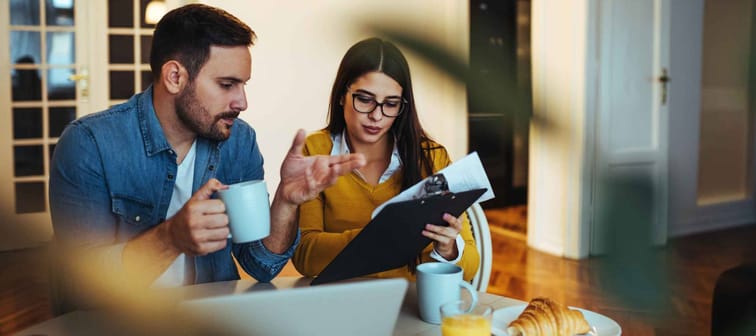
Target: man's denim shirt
(112,178)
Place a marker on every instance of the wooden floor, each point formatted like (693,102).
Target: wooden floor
(24,296)
(686,274)
(690,264)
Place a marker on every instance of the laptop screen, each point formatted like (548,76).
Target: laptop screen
(365,307)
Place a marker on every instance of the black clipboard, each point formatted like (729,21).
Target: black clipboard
(394,237)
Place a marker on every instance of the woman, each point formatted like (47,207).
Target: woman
(372,111)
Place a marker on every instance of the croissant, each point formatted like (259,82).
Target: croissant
(544,316)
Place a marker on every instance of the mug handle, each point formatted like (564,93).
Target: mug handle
(473,294)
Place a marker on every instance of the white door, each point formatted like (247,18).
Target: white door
(630,191)
(59,60)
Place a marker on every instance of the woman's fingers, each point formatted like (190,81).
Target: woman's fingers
(454,222)
(441,234)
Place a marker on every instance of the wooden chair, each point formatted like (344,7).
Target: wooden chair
(482,235)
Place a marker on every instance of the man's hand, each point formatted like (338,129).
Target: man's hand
(201,226)
(303,177)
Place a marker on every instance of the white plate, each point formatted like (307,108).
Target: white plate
(502,317)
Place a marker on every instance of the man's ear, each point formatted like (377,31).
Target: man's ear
(173,76)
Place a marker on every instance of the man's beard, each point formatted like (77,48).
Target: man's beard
(198,119)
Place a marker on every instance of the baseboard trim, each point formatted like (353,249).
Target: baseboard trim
(712,221)
(549,248)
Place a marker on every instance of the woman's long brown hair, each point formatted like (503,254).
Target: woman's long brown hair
(412,142)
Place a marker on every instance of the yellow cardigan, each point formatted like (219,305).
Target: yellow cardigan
(337,215)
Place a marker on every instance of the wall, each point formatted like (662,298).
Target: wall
(560,157)
(725,116)
(686,216)
(300,44)
(684,101)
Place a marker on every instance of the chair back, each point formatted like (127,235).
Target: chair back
(482,235)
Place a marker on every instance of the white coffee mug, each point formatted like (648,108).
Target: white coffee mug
(439,283)
(248,209)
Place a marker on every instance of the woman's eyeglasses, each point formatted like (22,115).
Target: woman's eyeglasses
(390,108)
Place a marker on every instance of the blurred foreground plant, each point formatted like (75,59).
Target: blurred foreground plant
(632,269)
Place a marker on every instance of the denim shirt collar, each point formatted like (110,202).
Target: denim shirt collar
(152,133)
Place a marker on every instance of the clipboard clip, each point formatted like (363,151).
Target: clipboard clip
(436,185)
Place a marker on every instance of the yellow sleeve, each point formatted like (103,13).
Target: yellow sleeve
(470,260)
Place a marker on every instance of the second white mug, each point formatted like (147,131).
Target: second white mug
(439,283)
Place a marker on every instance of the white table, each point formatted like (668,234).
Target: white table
(100,323)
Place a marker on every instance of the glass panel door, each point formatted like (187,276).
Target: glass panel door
(129,41)
(39,59)
(59,61)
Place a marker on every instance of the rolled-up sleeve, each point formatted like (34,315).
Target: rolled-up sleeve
(261,263)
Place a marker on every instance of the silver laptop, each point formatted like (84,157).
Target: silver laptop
(369,307)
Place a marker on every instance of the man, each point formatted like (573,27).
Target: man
(134,185)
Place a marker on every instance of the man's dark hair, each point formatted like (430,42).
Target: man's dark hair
(186,33)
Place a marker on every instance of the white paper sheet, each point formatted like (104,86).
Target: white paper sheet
(463,175)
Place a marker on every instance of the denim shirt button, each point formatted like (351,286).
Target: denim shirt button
(137,218)
(170,176)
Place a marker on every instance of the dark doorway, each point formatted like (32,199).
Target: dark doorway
(499,101)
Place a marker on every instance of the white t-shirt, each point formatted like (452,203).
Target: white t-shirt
(181,271)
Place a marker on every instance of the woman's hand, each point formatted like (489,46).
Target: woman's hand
(445,237)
